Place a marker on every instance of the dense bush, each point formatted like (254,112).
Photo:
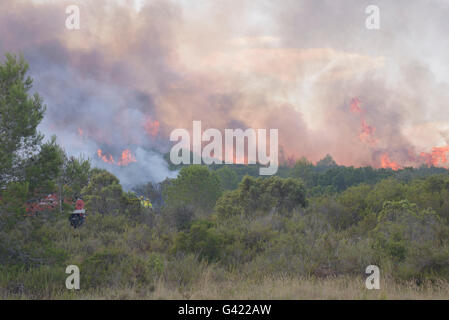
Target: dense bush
(195,186)
(271,194)
(201,239)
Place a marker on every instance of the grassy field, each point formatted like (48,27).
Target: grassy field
(333,288)
(283,289)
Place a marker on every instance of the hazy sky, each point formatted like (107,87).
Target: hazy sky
(138,69)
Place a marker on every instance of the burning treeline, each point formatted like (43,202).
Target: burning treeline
(437,157)
(366,134)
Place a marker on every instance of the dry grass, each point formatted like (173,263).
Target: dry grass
(279,288)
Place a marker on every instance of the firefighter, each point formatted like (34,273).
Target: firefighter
(79,204)
(78,216)
(145,203)
(148,204)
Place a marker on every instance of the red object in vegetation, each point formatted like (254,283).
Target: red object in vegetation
(48,203)
(79,204)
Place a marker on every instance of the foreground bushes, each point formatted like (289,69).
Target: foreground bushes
(265,228)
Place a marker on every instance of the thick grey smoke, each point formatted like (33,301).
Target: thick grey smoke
(94,98)
(129,77)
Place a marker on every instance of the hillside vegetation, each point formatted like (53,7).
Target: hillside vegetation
(213,232)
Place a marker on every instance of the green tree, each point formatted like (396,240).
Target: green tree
(20,114)
(104,193)
(76,175)
(402,227)
(43,169)
(229,179)
(263,194)
(195,186)
(326,163)
(12,203)
(276,193)
(304,169)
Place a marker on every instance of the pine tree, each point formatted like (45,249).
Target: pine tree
(20,114)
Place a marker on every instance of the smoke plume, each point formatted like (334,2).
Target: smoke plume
(136,70)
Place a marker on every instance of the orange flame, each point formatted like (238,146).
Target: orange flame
(367,131)
(151,127)
(387,163)
(355,105)
(436,156)
(125,159)
(367,134)
(105,157)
